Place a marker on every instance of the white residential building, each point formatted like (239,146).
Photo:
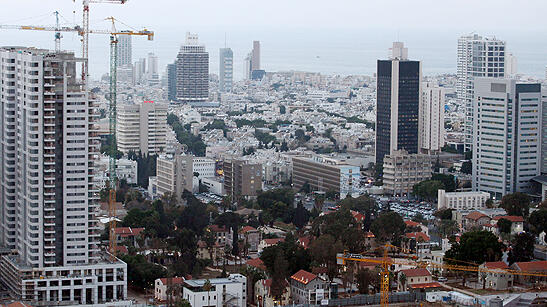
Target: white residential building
(431,122)
(173,174)
(477,57)
(403,170)
(506,154)
(226,70)
(127,169)
(462,200)
(205,167)
(125,50)
(142,127)
(229,292)
(48,145)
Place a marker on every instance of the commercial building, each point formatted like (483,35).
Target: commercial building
(544,132)
(462,200)
(203,167)
(252,61)
(219,292)
(398,103)
(431,120)
(172,82)
(226,70)
(506,136)
(242,178)
(142,127)
(403,170)
(173,174)
(139,71)
(477,57)
(192,71)
(125,50)
(48,201)
(153,72)
(326,174)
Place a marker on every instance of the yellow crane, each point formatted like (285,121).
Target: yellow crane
(386,262)
(113,89)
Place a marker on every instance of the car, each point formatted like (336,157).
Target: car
(442,279)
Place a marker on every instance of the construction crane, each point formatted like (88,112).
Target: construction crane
(386,262)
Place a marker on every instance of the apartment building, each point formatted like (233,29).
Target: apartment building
(461,200)
(173,174)
(218,292)
(403,170)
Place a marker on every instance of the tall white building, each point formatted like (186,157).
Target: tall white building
(226,69)
(477,57)
(125,50)
(142,127)
(192,71)
(153,73)
(431,122)
(544,132)
(506,151)
(48,199)
(139,71)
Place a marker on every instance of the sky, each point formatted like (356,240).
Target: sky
(300,23)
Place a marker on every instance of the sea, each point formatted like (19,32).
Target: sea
(324,50)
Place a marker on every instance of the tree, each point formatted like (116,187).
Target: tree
(301,215)
(504,225)
(489,203)
(282,109)
(279,275)
(516,204)
(141,273)
(365,278)
(427,189)
(389,226)
(476,246)
(323,251)
(444,214)
(447,228)
(402,280)
(448,181)
(538,221)
(522,248)
(183,303)
(467,167)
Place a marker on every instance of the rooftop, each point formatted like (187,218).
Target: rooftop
(496,265)
(416,272)
(303,277)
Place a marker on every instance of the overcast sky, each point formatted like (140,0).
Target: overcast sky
(170,19)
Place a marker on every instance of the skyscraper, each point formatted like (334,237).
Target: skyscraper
(544,132)
(192,71)
(153,73)
(142,127)
(125,50)
(252,61)
(172,82)
(506,135)
(226,69)
(398,102)
(431,118)
(48,200)
(477,57)
(139,71)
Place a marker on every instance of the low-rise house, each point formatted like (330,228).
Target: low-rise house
(161,288)
(269,242)
(256,263)
(215,252)
(251,238)
(530,266)
(216,292)
(417,242)
(415,279)
(422,228)
(517,222)
(263,297)
(223,235)
(497,277)
(370,239)
(304,241)
(308,288)
(128,235)
(475,219)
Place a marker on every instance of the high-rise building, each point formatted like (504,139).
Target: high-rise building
(248,65)
(242,178)
(142,127)
(139,72)
(174,174)
(226,69)
(477,57)
(125,50)
(510,64)
(153,73)
(506,135)
(544,132)
(398,103)
(431,118)
(192,71)
(252,61)
(172,82)
(48,200)
(403,170)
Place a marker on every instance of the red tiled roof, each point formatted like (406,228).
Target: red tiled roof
(416,272)
(128,231)
(122,249)
(417,235)
(174,281)
(369,234)
(273,241)
(475,215)
(202,244)
(303,277)
(511,218)
(304,241)
(433,284)
(247,229)
(216,228)
(496,265)
(358,216)
(319,270)
(410,223)
(16,304)
(532,266)
(257,263)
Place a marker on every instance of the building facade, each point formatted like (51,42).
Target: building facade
(462,200)
(477,57)
(172,82)
(398,104)
(403,170)
(242,178)
(173,174)
(48,201)
(506,136)
(431,118)
(192,71)
(226,70)
(125,50)
(326,174)
(218,292)
(142,127)
(308,288)
(544,132)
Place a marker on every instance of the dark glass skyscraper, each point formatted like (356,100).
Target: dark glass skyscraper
(172,82)
(397,106)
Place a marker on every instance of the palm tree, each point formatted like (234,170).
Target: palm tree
(402,280)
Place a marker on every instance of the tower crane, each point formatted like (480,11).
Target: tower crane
(385,262)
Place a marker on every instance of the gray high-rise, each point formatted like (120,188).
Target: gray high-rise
(477,57)
(125,50)
(172,82)
(192,71)
(226,69)
(48,199)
